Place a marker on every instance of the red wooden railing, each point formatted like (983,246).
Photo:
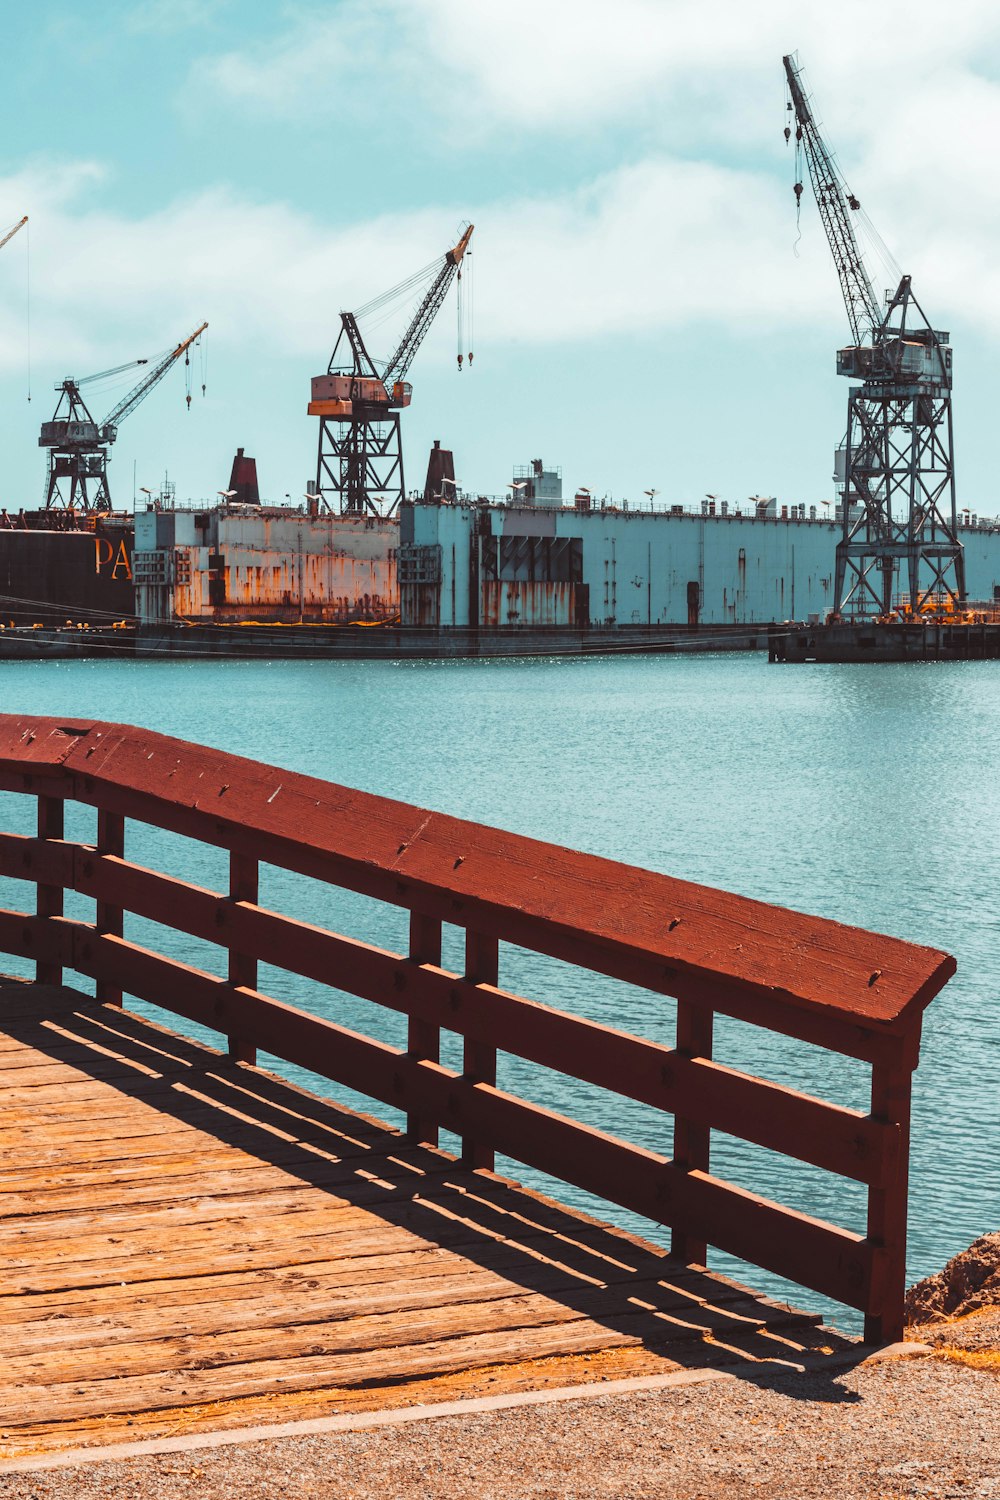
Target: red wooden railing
(845,989)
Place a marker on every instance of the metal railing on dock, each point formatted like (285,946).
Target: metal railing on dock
(844,989)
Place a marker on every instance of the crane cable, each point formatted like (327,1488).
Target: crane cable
(27,301)
(399,290)
(387,306)
(472,305)
(465,311)
(789,108)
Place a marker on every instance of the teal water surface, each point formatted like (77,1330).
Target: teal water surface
(863,793)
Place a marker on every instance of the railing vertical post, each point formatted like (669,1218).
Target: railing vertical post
(50,897)
(244,881)
(423,1038)
(692,1143)
(892,1082)
(110,919)
(482,966)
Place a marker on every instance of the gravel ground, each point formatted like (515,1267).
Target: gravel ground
(917,1427)
(978,1331)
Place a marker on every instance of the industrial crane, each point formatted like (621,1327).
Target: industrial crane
(11,232)
(78,446)
(899,510)
(360,453)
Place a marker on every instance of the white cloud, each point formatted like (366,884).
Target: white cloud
(566,65)
(167,17)
(332,66)
(670,238)
(646,248)
(906,95)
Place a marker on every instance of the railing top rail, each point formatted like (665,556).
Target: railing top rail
(688,934)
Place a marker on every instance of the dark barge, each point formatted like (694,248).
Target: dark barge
(974,638)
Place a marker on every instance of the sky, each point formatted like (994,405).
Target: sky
(643,315)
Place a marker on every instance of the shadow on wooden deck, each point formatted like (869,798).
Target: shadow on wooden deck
(191,1243)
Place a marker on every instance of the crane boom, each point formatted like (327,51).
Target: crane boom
(111,423)
(427,311)
(835,205)
(11,232)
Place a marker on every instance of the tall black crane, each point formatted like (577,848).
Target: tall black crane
(78,447)
(360,451)
(899,510)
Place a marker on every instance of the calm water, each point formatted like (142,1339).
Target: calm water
(868,794)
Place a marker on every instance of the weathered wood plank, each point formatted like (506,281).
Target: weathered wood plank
(127,1193)
(370,1328)
(72,1398)
(308,1288)
(322,1303)
(195,1231)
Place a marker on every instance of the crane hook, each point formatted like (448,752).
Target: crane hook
(788,134)
(798,192)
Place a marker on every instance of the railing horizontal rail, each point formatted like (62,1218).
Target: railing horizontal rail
(845,989)
(835,1262)
(397,853)
(856,1038)
(826,1135)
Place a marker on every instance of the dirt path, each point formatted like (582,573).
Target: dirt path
(916,1427)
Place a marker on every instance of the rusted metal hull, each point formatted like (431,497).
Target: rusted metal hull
(234,564)
(528,604)
(53,576)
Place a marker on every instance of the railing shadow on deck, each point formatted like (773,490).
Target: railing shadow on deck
(604,1275)
(844,989)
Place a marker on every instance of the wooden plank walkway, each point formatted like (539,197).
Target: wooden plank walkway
(188,1242)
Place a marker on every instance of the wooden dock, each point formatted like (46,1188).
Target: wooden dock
(190,1243)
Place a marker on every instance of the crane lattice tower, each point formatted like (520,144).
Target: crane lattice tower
(79,447)
(899,506)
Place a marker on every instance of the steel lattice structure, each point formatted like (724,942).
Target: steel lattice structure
(77,471)
(899,512)
(79,449)
(361,460)
(900,522)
